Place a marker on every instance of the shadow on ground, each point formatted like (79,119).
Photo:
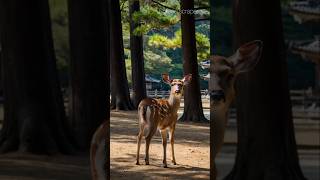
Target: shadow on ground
(191,150)
(29,167)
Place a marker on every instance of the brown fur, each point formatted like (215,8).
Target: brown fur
(98,141)
(223,75)
(162,116)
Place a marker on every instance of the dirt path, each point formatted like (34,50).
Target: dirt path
(30,167)
(191,146)
(191,149)
(192,155)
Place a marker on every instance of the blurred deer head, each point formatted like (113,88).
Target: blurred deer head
(224,70)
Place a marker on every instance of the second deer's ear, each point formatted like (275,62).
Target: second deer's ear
(187,79)
(247,56)
(166,78)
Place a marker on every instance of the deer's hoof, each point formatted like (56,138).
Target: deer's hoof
(137,163)
(147,161)
(164,166)
(174,163)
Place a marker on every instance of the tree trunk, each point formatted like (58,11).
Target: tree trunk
(120,97)
(137,61)
(1,79)
(89,67)
(192,96)
(34,119)
(266,141)
(317,78)
(212,152)
(211,26)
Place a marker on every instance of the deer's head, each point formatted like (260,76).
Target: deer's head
(224,71)
(177,85)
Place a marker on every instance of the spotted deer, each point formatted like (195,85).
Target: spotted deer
(161,114)
(224,71)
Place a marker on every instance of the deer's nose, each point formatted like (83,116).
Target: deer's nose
(217,95)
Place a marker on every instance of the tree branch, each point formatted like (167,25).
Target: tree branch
(162,5)
(202,19)
(122,6)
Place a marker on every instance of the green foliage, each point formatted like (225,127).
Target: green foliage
(164,42)
(154,20)
(59,19)
(150,18)
(203,46)
(157,62)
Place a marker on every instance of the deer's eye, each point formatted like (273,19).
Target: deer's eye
(227,77)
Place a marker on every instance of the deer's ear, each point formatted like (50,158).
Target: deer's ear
(247,56)
(166,78)
(186,79)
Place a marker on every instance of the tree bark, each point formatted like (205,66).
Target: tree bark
(211,26)
(89,68)
(34,118)
(137,60)
(1,79)
(212,152)
(120,97)
(266,141)
(317,78)
(192,96)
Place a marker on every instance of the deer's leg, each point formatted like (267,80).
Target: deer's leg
(139,137)
(151,132)
(164,145)
(172,129)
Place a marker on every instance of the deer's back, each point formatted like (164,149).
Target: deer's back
(158,111)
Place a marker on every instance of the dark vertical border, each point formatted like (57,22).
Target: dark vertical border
(212,166)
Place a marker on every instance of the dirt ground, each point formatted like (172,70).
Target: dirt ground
(17,166)
(191,150)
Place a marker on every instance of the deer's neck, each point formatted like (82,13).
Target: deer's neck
(174,102)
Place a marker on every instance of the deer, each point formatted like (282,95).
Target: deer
(161,114)
(98,153)
(223,74)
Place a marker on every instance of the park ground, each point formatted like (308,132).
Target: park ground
(191,148)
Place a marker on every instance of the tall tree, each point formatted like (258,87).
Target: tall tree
(266,141)
(1,80)
(137,60)
(89,67)
(120,97)
(212,152)
(34,119)
(192,96)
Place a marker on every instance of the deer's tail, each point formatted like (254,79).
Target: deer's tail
(143,113)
